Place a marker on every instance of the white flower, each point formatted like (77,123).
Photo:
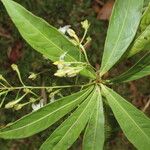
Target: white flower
(52,98)
(64,29)
(37,106)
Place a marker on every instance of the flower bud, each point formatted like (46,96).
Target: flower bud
(85,24)
(11,104)
(32,76)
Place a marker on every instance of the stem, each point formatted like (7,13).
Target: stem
(46,70)
(84,35)
(2,84)
(80,45)
(43,87)
(86,58)
(75,63)
(19,75)
(21,80)
(146,106)
(3,99)
(17,94)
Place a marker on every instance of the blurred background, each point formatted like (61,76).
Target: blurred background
(13,49)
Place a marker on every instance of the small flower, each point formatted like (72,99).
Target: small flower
(11,104)
(19,106)
(67,69)
(88,39)
(37,106)
(60,73)
(64,29)
(87,43)
(14,102)
(32,76)
(32,100)
(27,90)
(59,64)
(74,71)
(52,98)
(52,95)
(85,24)
(15,67)
(73,35)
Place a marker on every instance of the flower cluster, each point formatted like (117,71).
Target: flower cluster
(68,69)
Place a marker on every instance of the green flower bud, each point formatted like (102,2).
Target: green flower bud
(19,106)
(73,34)
(32,76)
(11,104)
(60,73)
(85,24)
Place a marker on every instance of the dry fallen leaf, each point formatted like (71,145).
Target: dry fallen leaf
(100,2)
(105,11)
(15,52)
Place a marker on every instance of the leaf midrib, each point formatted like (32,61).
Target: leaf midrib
(40,31)
(46,115)
(129,116)
(125,74)
(96,125)
(77,119)
(108,60)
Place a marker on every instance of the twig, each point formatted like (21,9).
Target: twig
(43,87)
(146,106)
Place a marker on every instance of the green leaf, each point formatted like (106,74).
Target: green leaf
(140,43)
(122,29)
(94,134)
(146,2)
(65,135)
(135,125)
(41,36)
(139,70)
(143,40)
(145,19)
(44,117)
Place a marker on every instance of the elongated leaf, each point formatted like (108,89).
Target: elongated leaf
(122,28)
(145,19)
(143,40)
(94,134)
(135,125)
(44,117)
(139,70)
(65,135)
(41,36)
